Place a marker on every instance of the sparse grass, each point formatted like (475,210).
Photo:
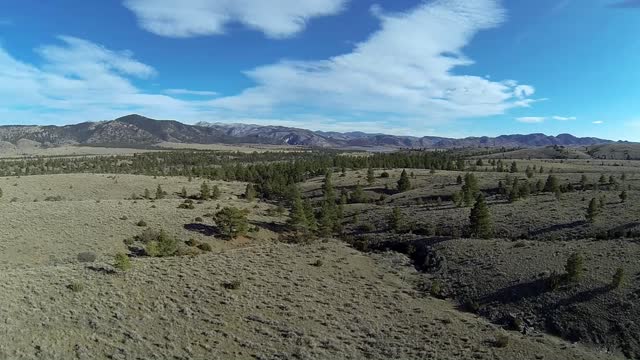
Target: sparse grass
(76,287)
(122,262)
(232,285)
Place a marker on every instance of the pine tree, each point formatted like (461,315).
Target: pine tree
(583,182)
(480,219)
(297,216)
(529,172)
(514,167)
(310,216)
(250,193)
(574,267)
(459,180)
(404,184)
(357,196)
(371,178)
(215,192)
(592,210)
(205,192)
(147,194)
(183,192)
(232,222)
(396,220)
(552,184)
(470,189)
(623,196)
(159,192)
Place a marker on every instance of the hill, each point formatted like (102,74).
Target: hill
(137,130)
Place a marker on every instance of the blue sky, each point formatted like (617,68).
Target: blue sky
(444,67)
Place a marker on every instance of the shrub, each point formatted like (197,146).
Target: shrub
(198,219)
(86,256)
(162,246)
(318,263)
(232,285)
(186,205)
(141,223)
(574,267)
(501,341)
(192,242)
(618,278)
(122,262)
(205,247)
(54,198)
(384,175)
(75,287)
(436,289)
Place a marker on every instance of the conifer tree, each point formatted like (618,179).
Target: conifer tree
(592,210)
(183,192)
(396,220)
(250,193)
(552,184)
(574,267)
(470,189)
(514,167)
(404,184)
(159,192)
(215,192)
(297,216)
(370,176)
(480,219)
(147,194)
(205,192)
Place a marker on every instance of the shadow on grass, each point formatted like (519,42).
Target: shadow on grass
(275,227)
(557,227)
(206,230)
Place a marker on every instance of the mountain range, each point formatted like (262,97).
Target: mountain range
(137,130)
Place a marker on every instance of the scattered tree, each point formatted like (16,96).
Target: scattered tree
(574,267)
(232,222)
(480,219)
(404,184)
(592,210)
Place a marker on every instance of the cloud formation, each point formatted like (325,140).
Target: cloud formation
(404,70)
(189,18)
(531,119)
(598,122)
(564,118)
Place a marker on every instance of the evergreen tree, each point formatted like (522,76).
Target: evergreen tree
(215,192)
(205,192)
(310,216)
(583,182)
(232,222)
(396,220)
(592,210)
(623,196)
(552,185)
(147,194)
(249,193)
(529,172)
(159,192)
(404,184)
(574,267)
(470,189)
(514,167)
(618,278)
(480,219)
(297,216)
(459,180)
(357,196)
(183,192)
(371,178)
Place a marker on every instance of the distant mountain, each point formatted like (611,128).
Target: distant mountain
(136,130)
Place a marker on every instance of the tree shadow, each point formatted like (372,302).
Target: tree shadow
(275,227)
(584,296)
(206,230)
(557,227)
(515,293)
(101,269)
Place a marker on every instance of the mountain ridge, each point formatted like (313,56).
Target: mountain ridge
(139,130)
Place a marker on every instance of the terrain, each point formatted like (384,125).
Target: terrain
(266,251)
(137,130)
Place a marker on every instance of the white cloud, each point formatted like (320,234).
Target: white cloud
(190,92)
(79,81)
(531,119)
(564,118)
(188,18)
(598,122)
(404,70)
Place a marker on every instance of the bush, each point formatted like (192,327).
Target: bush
(87,256)
(75,287)
(318,263)
(501,341)
(205,247)
(574,267)
(384,175)
(141,223)
(122,262)
(618,278)
(198,219)
(436,289)
(162,246)
(232,285)
(192,242)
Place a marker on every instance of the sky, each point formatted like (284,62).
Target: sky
(451,68)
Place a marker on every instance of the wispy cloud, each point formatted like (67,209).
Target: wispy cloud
(405,69)
(564,118)
(190,92)
(188,18)
(598,122)
(531,119)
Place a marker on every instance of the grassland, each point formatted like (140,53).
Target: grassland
(423,290)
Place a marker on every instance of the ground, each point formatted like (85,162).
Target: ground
(257,297)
